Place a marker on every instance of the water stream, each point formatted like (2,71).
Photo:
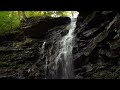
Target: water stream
(63,68)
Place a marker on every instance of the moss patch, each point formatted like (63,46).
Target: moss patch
(8,56)
(105,74)
(22,43)
(5,64)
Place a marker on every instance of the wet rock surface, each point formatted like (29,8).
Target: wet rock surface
(97,45)
(95,52)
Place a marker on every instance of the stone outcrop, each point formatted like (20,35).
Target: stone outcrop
(37,27)
(97,45)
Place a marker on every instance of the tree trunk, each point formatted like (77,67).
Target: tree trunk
(24,16)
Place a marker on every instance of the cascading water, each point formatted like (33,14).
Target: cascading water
(63,67)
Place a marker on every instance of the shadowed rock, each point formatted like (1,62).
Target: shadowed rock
(38,27)
(96,32)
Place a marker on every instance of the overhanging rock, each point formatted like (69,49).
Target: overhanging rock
(36,27)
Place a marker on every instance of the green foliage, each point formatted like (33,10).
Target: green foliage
(9,20)
(47,13)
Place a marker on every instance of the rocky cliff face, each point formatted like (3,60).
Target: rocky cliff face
(25,58)
(95,51)
(96,54)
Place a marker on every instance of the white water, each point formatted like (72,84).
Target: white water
(63,62)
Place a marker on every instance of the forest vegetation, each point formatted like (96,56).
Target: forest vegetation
(10,20)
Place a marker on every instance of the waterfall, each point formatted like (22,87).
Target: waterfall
(63,67)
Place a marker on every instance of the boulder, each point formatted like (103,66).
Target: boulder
(37,28)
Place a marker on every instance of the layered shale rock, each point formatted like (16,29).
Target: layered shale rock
(97,44)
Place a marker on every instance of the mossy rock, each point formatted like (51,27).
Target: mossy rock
(5,64)
(117,70)
(8,56)
(25,42)
(105,74)
(113,68)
